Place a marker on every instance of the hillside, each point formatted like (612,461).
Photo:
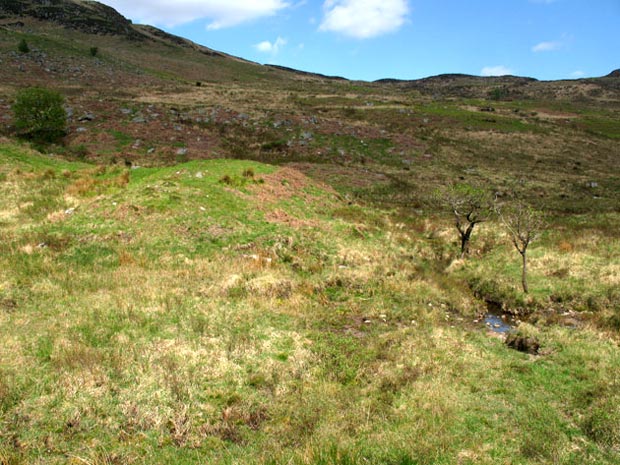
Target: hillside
(224,262)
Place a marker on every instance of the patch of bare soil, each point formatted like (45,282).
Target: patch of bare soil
(282,184)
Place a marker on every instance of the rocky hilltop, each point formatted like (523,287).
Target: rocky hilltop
(84,15)
(91,17)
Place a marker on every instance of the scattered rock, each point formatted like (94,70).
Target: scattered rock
(529,345)
(86,117)
(139,119)
(182,151)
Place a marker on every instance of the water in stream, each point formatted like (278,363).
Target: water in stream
(499,324)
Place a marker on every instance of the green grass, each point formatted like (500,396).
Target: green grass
(150,327)
(230,311)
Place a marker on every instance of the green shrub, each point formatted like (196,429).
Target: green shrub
(39,114)
(23,46)
(94,51)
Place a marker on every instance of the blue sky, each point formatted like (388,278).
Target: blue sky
(404,39)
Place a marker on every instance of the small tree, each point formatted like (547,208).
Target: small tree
(39,114)
(23,46)
(524,224)
(470,205)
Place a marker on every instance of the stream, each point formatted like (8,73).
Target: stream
(499,324)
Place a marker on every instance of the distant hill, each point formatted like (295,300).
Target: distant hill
(93,18)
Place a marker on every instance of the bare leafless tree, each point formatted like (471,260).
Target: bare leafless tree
(470,206)
(524,225)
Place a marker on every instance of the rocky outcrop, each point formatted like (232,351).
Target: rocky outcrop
(86,16)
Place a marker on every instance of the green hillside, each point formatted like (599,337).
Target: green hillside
(228,311)
(223,262)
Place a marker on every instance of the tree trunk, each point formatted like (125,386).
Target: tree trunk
(524,273)
(465,236)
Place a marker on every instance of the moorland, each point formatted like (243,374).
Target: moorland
(225,262)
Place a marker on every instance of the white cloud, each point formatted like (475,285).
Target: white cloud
(268,47)
(363,19)
(220,13)
(577,74)
(495,71)
(547,46)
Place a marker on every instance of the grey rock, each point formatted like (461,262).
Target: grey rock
(86,117)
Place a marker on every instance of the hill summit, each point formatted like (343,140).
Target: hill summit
(86,16)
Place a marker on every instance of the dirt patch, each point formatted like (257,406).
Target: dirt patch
(286,183)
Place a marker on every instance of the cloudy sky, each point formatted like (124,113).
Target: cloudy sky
(406,39)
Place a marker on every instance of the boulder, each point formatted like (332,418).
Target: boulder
(529,345)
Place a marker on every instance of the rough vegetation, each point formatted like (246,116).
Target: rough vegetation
(257,270)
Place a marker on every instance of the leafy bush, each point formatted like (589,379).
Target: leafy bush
(23,46)
(39,114)
(94,51)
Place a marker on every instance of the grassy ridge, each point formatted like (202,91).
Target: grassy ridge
(228,311)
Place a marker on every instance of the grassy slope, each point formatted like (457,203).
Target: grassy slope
(160,315)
